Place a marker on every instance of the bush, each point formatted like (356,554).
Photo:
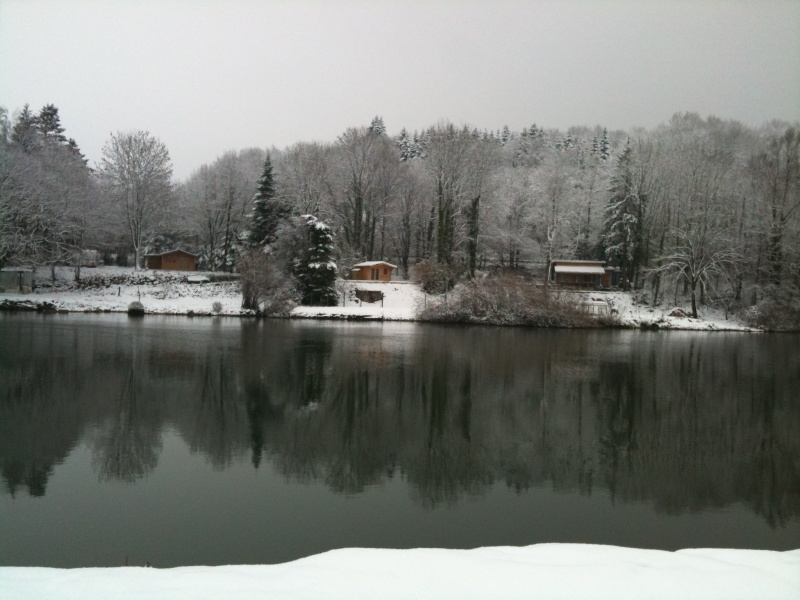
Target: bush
(509,300)
(434,277)
(265,288)
(780,311)
(136,308)
(216,306)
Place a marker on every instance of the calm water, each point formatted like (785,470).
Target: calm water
(212,441)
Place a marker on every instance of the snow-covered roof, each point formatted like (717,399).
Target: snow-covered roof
(580,269)
(373,263)
(172,252)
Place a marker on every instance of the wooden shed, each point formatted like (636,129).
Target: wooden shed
(16,280)
(376,270)
(580,273)
(176,260)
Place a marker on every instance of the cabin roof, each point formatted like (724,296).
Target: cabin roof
(580,269)
(172,252)
(373,263)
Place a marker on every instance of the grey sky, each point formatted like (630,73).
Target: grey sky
(210,76)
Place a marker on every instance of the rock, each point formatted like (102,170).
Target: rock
(679,313)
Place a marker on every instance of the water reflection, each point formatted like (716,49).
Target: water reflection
(688,422)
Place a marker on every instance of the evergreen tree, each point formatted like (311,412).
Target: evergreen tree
(25,132)
(50,125)
(605,148)
(314,267)
(377,127)
(268,210)
(623,219)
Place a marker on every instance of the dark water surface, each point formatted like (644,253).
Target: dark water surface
(181,441)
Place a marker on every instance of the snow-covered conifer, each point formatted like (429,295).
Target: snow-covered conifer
(268,210)
(314,268)
(623,218)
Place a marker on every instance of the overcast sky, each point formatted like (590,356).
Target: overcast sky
(210,76)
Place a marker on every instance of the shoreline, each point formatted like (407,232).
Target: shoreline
(110,290)
(352,314)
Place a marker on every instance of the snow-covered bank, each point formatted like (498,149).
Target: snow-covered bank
(545,571)
(168,292)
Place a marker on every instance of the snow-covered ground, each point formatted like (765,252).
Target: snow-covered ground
(543,571)
(168,292)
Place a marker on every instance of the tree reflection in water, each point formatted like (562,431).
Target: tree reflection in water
(127,447)
(688,422)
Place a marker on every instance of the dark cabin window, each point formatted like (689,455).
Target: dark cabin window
(385,270)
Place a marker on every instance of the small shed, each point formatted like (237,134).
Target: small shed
(376,270)
(16,280)
(580,273)
(176,260)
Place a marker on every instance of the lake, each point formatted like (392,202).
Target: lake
(180,441)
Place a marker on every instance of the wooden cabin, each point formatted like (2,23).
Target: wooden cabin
(176,260)
(581,273)
(376,270)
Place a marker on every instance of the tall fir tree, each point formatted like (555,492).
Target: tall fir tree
(269,212)
(605,147)
(25,132)
(623,219)
(49,123)
(377,127)
(314,267)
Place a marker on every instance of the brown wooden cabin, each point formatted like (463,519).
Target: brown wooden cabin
(376,270)
(582,273)
(176,260)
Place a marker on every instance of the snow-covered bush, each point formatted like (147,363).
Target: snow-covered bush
(136,308)
(265,288)
(779,311)
(434,277)
(510,300)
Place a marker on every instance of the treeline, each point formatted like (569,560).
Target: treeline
(706,209)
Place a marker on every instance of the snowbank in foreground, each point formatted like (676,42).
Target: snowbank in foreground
(540,571)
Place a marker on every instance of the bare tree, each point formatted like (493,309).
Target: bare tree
(137,172)
(775,176)
(701,255)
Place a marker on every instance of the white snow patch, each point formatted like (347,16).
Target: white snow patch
(542,571)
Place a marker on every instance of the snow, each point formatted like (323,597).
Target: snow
(168,292)
(581,269)
(401,302)
(542,571)
(372,263)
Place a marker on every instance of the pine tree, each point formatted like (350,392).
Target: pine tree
(314,267)
(605,148)
(25,132)
(268,210)
(50,125)
(623,219)
(377,127)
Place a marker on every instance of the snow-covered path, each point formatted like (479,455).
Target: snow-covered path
(544,571)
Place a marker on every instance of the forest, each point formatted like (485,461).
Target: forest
(700,208)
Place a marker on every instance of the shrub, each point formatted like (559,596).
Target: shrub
(509,300)
(216,306)
(265,288)
(434,277)
(779,311)
(136,308)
